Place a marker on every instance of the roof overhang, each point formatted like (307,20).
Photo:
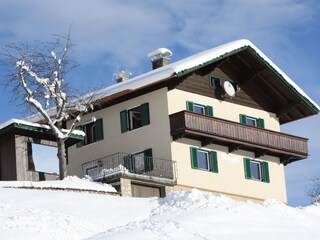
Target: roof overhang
(34,131)
(287,100)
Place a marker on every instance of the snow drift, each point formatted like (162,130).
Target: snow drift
(42,214)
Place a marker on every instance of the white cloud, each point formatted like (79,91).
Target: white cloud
(125,31)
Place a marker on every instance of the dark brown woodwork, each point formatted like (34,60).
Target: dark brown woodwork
(249,76)
(244,61)
(236,135)
(234,147)
(261,86)
(283,110)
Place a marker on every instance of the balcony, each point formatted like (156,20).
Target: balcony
(238,136)
(135,167)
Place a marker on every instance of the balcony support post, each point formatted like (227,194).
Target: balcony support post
(234,147)
(258,154)
(205,142)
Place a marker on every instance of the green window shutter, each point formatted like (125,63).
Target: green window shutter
(148,161)
(265,170)
(247,168)
(145,119)
(243,119)
(80,144)
(260,123)
(209,111)
(124,121)
(214,162)
(194,157)
(190,106)
(98,130)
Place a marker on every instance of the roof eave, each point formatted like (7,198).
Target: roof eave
(313,107)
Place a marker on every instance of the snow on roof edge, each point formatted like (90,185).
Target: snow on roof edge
(32,124)
(194,61)
(180,66)
(18,121)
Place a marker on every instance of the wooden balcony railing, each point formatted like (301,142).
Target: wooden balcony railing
(238,136)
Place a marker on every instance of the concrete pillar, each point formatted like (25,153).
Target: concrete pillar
(125,187)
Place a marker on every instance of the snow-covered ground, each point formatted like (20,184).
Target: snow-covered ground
(47,214)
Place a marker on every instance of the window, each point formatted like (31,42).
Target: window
(92,171)
(140,162)
(251,121)
(204,160)
(134,118)
(215,82)
(256,170)
(200,109)
(93,131)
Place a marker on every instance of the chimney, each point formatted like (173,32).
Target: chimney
(122,76)
(160,57)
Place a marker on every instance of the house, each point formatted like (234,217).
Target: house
(210,121)
(16,159)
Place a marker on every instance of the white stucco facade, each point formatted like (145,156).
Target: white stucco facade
(230,178)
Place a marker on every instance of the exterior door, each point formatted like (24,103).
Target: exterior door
(145,191)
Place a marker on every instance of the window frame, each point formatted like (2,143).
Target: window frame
(263,170)
(256,163)
(130,116)
(92,169)
(207,109)
(215,82)
(259,122)
(206,160)
(96,133)
(212,160)
(147,157)
(255,120)
(89,128)
(126,118)
(200,106)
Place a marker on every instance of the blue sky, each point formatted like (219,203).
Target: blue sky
(110,36)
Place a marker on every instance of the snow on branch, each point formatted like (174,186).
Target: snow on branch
(37,76)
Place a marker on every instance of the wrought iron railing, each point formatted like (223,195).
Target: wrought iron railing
(127,164)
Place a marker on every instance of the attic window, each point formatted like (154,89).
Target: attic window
(215,82)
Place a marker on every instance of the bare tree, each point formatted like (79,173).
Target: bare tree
(36,76)
(314,191)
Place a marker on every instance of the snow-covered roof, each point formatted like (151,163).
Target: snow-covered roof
(184,66)
(36,125)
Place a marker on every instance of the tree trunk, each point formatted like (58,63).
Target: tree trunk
(62,158)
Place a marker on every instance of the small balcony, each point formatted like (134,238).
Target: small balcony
(236,136)
(137,167)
